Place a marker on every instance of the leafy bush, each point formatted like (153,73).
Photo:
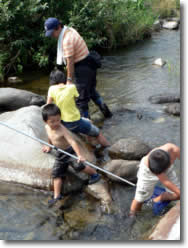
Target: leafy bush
(104,24)
(110,24)
(166,8)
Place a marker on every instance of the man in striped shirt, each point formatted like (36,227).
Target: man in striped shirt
(81,68)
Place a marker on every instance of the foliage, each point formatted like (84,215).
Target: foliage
(166,8)
(102,23)
(110,24)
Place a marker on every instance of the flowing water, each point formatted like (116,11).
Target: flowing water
(126,80)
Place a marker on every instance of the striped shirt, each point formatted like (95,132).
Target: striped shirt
(74,45)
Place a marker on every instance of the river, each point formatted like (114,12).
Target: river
(127,80)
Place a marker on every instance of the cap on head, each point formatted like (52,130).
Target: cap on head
(56,77)
(50,25)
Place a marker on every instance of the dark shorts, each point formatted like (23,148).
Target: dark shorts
(83,126)
(62,163)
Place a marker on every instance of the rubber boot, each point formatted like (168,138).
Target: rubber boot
(105,110)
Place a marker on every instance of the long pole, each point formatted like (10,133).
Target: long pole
(60,150)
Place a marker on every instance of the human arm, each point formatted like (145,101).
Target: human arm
(74,145)
(173,150)
(70,69)
(49,100)
(168,184)
(50,95)
(135,207)
(46,148)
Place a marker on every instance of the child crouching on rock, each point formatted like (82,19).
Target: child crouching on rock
(157,166)
(64,96)
(59,136)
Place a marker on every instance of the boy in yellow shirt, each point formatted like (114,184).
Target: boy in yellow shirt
(64,96)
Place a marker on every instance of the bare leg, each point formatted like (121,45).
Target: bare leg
(88,170)
(102,140)
(57,186)
(167,196)
(135,207)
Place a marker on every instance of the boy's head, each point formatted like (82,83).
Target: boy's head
(57,77)
(159,161)
(51,114)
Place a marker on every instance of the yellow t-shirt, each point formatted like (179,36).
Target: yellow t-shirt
(64,97)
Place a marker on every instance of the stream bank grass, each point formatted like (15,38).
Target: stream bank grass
(166,8)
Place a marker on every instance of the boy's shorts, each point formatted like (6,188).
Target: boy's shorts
(62,163)
(145,188)
(83,126)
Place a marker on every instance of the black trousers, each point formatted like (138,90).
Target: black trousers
(85,80)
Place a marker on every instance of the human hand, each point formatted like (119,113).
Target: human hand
(81,159)
(46,149)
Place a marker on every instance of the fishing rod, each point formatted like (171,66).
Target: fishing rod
(62,151)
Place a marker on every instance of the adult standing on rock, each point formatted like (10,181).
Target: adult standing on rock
(80,63)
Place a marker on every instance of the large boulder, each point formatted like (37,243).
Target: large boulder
(13,99)
(123,168)
(129,149)
(21,158)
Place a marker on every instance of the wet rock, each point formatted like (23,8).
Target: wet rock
(122,197)
(100,191)
(79,218)
(173,109)
(159,62)
(164,98)
(14,80)
(168,228)
(13,99)
(129,149)
(170,25)
(174,19)
(123,168)
(157,25)
(21,158)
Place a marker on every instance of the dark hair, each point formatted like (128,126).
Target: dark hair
(56,77)
(159,161)
(50,110)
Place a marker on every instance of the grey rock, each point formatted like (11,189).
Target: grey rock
(13,99)
(159,62)
(123,168)
(170,25)
(173,108)
(14,80)
(164,98)
(21,158)
(129,149)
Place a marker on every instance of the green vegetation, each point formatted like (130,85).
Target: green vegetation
(104,24)
(166,8)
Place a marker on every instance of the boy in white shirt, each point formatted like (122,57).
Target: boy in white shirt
(157,166)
